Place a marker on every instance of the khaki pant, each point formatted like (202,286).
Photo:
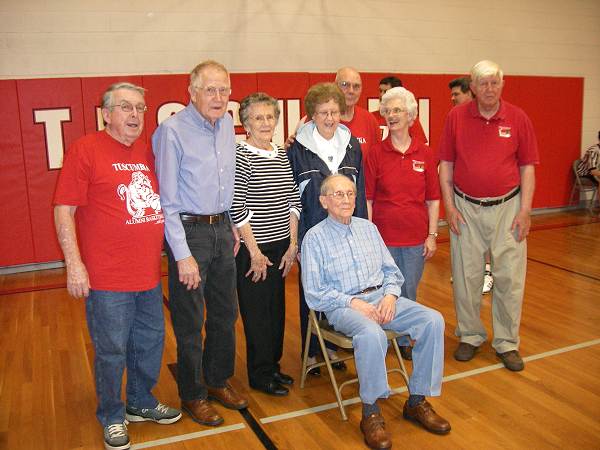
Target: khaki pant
(488,228)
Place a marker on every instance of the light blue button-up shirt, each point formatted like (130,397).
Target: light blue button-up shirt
(340,260)
(195,165)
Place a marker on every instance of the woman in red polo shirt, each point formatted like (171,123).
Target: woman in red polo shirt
(403,193)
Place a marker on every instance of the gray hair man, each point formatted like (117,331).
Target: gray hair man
(109,223)
(195,164)
(488,153)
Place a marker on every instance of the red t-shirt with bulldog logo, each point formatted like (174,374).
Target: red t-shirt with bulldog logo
(399,185)
(119,219)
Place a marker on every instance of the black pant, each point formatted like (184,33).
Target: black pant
(212,247)
(262,307)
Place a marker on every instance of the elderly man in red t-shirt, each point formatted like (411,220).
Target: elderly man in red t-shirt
(109,224)
(488,151)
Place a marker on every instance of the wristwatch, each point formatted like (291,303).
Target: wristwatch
(434,234)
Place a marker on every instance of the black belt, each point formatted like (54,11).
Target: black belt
(199,218)
(487,202)
(368,290)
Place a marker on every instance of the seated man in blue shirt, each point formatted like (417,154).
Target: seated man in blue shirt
(349,274)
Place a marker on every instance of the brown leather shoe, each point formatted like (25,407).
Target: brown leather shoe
(227,397)
(426,416)
(465,352)
(201,411)
(511,360)
(373,428)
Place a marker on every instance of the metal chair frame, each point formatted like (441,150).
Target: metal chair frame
(325,332)
(583,185)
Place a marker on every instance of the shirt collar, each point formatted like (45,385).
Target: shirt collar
(474,110)
(389,147)
(200,120)
(260,151)
(340,228)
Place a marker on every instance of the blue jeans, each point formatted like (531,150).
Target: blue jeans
(410,261)
(127,329)
(423,324)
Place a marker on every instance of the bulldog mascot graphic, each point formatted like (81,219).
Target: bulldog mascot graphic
(139,195)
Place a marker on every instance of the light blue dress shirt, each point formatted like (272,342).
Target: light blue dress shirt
(195,165)
(339,260)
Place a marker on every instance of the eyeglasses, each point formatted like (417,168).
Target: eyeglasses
(325,114)
(339,195)
(347,85)
(128,107)
(261,118)
(211,91)
(389,112)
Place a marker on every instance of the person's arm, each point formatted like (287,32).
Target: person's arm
(167,161)
(433,214)
(522,220)
(258,261)
(78,282)
(453,216)
(370,210)
(392,282)
(287,260)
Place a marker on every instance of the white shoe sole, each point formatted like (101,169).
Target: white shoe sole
(107,446)
(134,418)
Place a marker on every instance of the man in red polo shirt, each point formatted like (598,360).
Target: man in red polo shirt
(488,151)
(361,122)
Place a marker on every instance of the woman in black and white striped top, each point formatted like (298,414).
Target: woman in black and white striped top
(266,207)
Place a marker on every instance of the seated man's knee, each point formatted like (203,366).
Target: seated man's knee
(372,333)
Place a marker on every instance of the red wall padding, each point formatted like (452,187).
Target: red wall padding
(27,183)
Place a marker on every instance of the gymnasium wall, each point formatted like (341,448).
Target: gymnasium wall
(56,56)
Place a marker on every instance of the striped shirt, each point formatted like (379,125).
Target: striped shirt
(265,192)
(590,161)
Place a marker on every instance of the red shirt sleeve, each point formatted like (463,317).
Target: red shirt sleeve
(528,149)
(73,181)
(432,180)
(447,147)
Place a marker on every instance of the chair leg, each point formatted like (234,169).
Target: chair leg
(572,194)
(329,368)
(305,355)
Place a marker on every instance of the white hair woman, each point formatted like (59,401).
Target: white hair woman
(266,207)
(403,194)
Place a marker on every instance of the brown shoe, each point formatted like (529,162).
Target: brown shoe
(201,411)
(465,352)
(426,416)
(373,428)
(227,397)
(511,360)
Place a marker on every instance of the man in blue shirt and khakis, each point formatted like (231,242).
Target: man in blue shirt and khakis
(349,274)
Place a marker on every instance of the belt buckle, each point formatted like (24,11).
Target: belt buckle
(213,218)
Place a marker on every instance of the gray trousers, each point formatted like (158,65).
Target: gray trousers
(488,228)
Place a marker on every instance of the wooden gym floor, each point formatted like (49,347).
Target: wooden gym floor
(47,398)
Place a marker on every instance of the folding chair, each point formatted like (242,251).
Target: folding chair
(325,332)
(583,185)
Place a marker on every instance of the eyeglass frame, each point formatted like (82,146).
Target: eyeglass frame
(341,195)
(346,84)
(211,91)
(125,105)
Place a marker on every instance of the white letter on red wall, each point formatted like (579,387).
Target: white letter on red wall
(52,120)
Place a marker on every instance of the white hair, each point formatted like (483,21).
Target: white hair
(486,68)
(405,96)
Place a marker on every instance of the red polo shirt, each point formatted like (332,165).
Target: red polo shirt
(416,130)
(365,128)
(487,153)
(399,184)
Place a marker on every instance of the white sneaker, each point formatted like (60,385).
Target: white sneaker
(116,437)
(488,282)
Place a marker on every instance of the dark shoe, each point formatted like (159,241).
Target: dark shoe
(373,429)
(426,416)
(201,411)
(465,352)
(271,388)
(340,365)
(227,397)
(282,378)
(406,352)
(511,360)
(315,371)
